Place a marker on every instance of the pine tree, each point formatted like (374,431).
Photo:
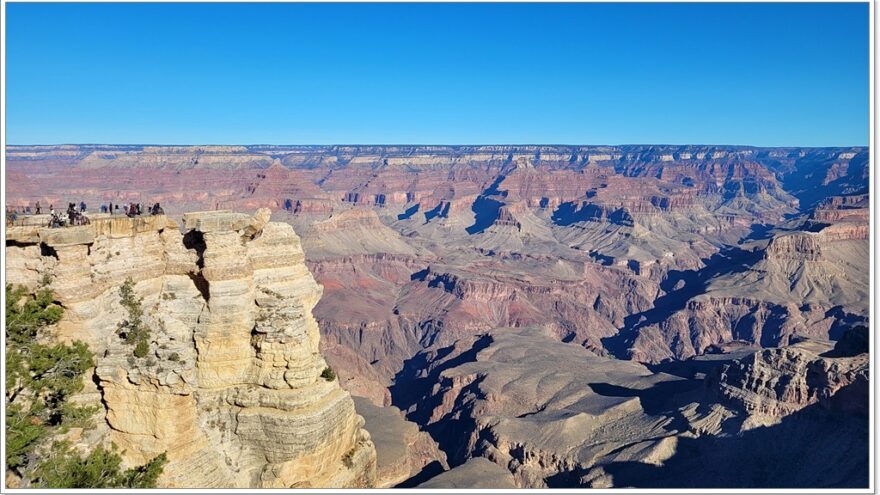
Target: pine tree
(40,378)
(101,468)
(133,329)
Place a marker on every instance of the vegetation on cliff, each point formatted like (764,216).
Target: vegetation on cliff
(328,374)
(99,469)
(133,329)
(41,375)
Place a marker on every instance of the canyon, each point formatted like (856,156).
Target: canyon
(504,316)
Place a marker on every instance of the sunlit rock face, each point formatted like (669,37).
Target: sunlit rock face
(231,388)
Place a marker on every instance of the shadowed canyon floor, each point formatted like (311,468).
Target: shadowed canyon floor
(588,316)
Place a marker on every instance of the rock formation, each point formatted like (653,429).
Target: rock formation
(232,386)
(555,415)
(800,282)
(773,383)
(683,259)
(404,451)
(476,473)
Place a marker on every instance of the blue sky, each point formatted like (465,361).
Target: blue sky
(759,74)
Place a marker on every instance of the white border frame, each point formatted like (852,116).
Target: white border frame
(873,238)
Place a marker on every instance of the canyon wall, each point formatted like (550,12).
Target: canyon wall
(232,387)
(552,415)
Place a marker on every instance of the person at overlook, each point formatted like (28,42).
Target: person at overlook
(11,215)
(39,209)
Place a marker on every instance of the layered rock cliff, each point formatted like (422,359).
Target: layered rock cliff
(774,383)
(231,387)
(550,414)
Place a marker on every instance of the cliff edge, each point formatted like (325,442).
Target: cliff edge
(233,387)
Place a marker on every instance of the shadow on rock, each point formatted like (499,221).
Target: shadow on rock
(427,472)
(410,389)
(680,287)
(662,399)
(813,448)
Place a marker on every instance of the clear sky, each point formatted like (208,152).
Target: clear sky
(759,74)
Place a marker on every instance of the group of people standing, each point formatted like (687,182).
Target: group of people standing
(75,216)
(76,213)
(131,209)
(24,211)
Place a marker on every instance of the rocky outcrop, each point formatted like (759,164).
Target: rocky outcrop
(854,341)
(231,388)
(801,282)
(539,407)
(476,473)
(807,246)
(403,451)
(800,246)
(708,322)
(774,383)
(554,415)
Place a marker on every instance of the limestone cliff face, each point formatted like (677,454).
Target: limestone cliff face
(231,388)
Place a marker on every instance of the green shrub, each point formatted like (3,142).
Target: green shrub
(145,476)
(27,313)
(328,374)
(23,431)
(48,373)
(39,377)
(78,416)
(141,349)
(133,329)
(64,468)
(56,371)
(174,357)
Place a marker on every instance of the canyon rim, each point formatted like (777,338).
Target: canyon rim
(502,316)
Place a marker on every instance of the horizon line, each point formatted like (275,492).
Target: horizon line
(441,145)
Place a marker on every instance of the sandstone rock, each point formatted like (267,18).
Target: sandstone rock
(231,388)
(69,236)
